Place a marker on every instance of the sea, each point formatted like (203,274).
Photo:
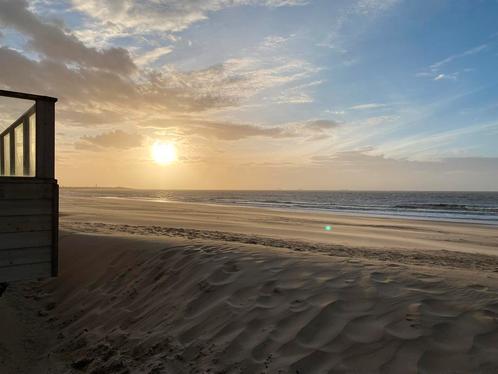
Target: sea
(478,207)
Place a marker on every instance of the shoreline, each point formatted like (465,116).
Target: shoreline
(438,207)
(346,230)
(313,210)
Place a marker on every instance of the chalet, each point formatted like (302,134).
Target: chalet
(29,211)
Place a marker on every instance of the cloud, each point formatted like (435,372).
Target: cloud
(138,16)
(353,170)
(347,17)
(232,131)
(369,7)
(113,139)
(146,58)
(322,124)
(52,42)
(433,145)
(298,94)
(314,128)
(469,52)
(95,87)
(435,69)
(97,91)
(452,76)
(368,106)
(274,41)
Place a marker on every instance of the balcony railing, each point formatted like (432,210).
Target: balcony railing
(27,145)
(18,146)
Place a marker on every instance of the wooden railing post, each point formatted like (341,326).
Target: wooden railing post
(45,139)
(12,149)
(26,145)
(2,172)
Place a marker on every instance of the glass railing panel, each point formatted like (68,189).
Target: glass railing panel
(19,150)
(18,142)
(32,145)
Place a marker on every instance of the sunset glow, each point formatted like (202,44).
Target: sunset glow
(164,153)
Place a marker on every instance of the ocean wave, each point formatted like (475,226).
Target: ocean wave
(448,207)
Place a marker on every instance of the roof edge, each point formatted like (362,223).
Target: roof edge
(27,96)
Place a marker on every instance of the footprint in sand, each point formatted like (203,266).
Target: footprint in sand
(380,277)
(404,329)
(298,305)
(438,308)
(478,287)
(224,275)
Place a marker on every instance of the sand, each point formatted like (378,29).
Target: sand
(149,287)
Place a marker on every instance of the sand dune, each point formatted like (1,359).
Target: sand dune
(190,306)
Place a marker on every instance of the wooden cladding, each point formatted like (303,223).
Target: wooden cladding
(28,229)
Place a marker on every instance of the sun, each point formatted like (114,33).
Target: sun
(163,153)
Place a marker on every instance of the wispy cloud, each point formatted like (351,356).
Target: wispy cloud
(469,52)
(135,17)
(368,106)
(274,41)
(434,72)
(151,56)
(233,131)
(347,16)
(469,173)
(113,139)
(450,76)
(430,145)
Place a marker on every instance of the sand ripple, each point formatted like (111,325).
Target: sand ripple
(197,307)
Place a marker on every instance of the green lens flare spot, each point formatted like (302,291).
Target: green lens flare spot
(328,228)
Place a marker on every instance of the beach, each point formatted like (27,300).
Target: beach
(178,287)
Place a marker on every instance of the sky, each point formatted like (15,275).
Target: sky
(264,94)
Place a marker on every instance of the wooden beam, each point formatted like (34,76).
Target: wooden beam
(23,190)
(25,207)
(26,96)
(26,223)
(22,272)
(22,256)
(12,240)
(24,180)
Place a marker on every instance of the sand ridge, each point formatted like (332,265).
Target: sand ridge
(442,258)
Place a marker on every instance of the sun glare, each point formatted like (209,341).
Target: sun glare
(163,153)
